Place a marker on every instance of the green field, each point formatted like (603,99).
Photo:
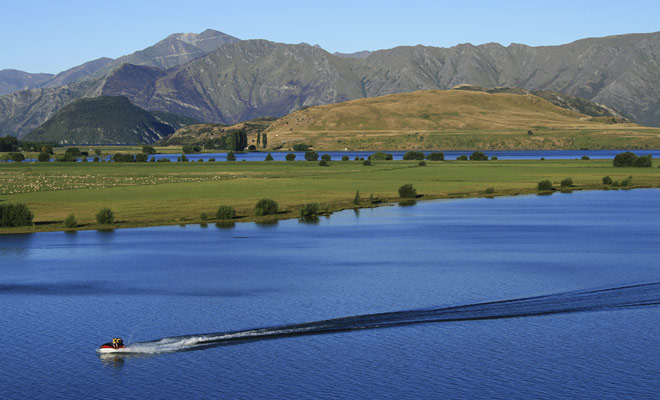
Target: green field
(170,193)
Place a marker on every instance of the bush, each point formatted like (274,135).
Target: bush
(627,181)
(211,159)
(43,157)
(586,158)
(148,150)
(269,157)
(356,199)
(344,158)
(96,159)
(309,210)
(494,158)
(625,159)
(643,162)
(490,190)
(311,155)
(375,200)
(15,215)
(141,157)
(326,157)
(98,152)
(16,157)
(607,180)
(105,216)
(545,185)
(357,158)
(225,212)
(462,157)
(70,222)
(290,157)
(73,152)
(323,163)
(379,155)
(478,156)
(367,162)
(413,155)
(183,158)
(121,157)
(203,216)
(189,148)
(422,163)
(300,147)
(407,191)
(231,156)
(266,207)
(568,182)
(436,157)
(163,160)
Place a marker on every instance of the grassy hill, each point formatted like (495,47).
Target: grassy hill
(455,119)
(107,120)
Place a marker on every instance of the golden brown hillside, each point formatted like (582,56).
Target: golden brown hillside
(446,119)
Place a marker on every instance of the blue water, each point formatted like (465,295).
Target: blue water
(523,297)
(398,155)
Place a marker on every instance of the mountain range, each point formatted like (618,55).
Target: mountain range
(214,77)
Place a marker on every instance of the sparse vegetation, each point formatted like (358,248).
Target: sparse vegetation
(148,150)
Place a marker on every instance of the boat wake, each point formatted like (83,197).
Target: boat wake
(625,297)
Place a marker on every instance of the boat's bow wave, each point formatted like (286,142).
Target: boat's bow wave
(624,297)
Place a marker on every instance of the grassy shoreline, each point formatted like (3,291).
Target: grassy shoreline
(143,195)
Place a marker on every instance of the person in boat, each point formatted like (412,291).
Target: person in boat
(117,343)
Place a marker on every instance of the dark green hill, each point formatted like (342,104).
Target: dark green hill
(107,120)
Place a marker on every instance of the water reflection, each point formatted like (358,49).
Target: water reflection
(203,225)
(313,220)
(268,223)
(225,224)
(407,203)
(356,211)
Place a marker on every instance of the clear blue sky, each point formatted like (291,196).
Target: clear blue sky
(51,36)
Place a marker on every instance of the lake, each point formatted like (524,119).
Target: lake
(398,155)
(519,297)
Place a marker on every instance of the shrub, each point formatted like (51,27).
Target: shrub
(163,160)
(407,191)
(98,152)
(15,215)
(16,157)
(266,207)
(462,157)
(643,162)
(626,182)
(96,159)
(231,156)
(105,216)
(300,147)
(83,158)
(43,157)
(374,200)
(357,158)
(225,212)
(148,150)
(141,157)
(323,163)
(211,159)
(413,155)
(70,222)
(379,155)
(189,148)
(311,155)
(607,180)
(625,159)
(73,152)
(344,158)
(568,182)
(269,157)
(326,157)
(290,157)
(203,216)
(529,132)
(183,158)
(436,156)
(494,158)
(121,157)
(490,190)
(586,158)
(356,199)
(545,185)
(309,210)
(366,162)
(478,156)
(422,163)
